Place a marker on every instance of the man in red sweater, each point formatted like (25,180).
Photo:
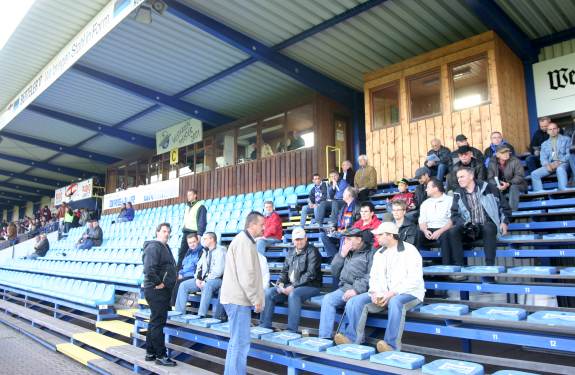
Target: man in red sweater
(273,231)
(368,220)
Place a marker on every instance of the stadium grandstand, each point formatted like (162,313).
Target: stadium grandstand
(287,186)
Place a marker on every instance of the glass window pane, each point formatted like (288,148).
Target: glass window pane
(424,95)
(224,148)
(273,138)
(385,106)
(300,126)
(469,82)
(247,140)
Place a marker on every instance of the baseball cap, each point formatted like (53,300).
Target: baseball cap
(463,150)
(386,227)
(502,148)
(298,233)
(356,232)
(402,181)
(460,138)
(420,172)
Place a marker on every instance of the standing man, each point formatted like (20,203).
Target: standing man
(554,158)
(159,279)
(273,230)
(195,220)
(347,173)
(242,288)
(316,201)
(335,191)
(365,179)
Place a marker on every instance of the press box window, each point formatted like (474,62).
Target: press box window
(425,95)
(385,106)
(469,83)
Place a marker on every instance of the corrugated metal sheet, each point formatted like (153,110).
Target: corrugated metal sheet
(167,55)
(87,98)
(152,122)
(79,163)
(384,35)
(53,175)
(255,89)
(113,147)
(46,29)
(540,18)
(8,190)
(31,184)
(24,150)
(12,167)
(557,50)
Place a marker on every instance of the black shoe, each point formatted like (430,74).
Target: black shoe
(150,357)
(165,361)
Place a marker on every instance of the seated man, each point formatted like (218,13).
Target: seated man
(365,179)
(496,140)
(187,270)
(41,247)
(419,195)
(207,278)
(434,219)
(92,237)
(368,220)
(351,265)
(406,228)
(461,140)
(540,136)
(506,173)
(121,215)
(299,280)
(466,160)
(335,190)
(438,159)
(317,201)
(273,230)
(128,213)
(347,216)
(395,283)
(477,212)
(554,158)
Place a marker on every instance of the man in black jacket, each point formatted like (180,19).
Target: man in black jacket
(159,280)
(300,280)
(466,160)
(461,140)
(422,176)
(316,201)
(407,229)
(533,161)
(438,159)
(41,247)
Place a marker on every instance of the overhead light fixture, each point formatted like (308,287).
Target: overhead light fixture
(144,14)
(12,14)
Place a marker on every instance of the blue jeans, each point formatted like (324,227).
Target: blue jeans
(329,304)
(330,244)
(319,212)
(189,286)
(539,173)
(239,318)
(295,299)
(439,171)
(262,243)
(87,244)
(572,165)
(533,162)
(358,308)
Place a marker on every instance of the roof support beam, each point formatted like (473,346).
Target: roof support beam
(61,148)
(124,135)
(47,166)
(27,189)
(192,110)
(17,196)
(559,37)
(298,71)
(38,180)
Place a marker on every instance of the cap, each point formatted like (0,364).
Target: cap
(463,150)
(420,172)
(460,138)
(352,232)
(298,233)
(402,181)
(502,148)
(386,227)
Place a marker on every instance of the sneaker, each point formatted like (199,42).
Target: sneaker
(382,346)
(150,357)
(165,361)
(341,339)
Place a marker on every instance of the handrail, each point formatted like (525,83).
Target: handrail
(335,149)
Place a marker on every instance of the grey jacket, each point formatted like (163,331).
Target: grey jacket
(513,173)
(353,270)
(216,266)
(497,209)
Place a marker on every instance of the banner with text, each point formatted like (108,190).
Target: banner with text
(183,134)
(555,85)
(111,15)
(143,194)
(74,192)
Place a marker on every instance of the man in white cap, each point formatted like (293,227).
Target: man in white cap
(299,280)
(395,284)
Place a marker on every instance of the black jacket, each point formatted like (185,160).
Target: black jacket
(159,265)
(478,168)
(323,189)
(348,177)
(42,247)
(408,231)
(538,138)
(477,154)
(306,267)
(444,155)
(353,270)
(419,195)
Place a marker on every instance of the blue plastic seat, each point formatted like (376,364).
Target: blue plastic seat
(280,201)
(231,227)
(300,190)
(308,188)
(278,192)
(248,204)
(268,194)
(288,190)
(291,200)
(258,195)
(238,205)
(235,214)
(231,199)
(249,197)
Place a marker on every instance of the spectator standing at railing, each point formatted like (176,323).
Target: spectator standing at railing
(506,173)
(195,220)
(365,179)
(68,219)
(317,201)
(347,173)
(555,154)
(273,230)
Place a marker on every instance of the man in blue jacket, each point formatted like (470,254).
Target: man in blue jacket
(554,159)
(335,190)
(187,270)
(316,201)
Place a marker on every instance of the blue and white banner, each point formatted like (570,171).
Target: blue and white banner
(92,33)
(180,135)
(143,194)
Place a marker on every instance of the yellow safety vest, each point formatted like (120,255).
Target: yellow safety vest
(191,216)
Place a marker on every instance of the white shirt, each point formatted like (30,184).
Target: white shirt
(436,212)
(265,270)
(397,271)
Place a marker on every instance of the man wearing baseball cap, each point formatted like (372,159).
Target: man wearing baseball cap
(395,283)
(299,280)
(351,265)
(461,140)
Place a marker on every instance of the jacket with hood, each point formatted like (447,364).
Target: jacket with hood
(353,270)
(159,265)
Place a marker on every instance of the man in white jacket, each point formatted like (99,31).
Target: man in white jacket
(395,283)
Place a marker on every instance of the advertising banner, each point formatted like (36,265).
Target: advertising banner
(143,194)
(180,135)
(74,192)
(555,85)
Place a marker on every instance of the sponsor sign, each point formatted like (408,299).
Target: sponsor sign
(180,135)
(74,192)
(555,85)
(143,194)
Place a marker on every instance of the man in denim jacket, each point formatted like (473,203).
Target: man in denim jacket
(554,158)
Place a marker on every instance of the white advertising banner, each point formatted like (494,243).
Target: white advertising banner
(143,194)
(74,192)
(92,33)
(183,134)
(555,85)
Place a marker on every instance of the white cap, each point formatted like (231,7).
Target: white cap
(298,233)
(386,227)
